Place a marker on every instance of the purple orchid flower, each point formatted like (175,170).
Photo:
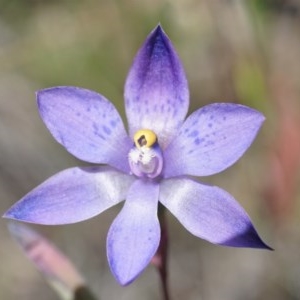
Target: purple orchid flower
(150,165)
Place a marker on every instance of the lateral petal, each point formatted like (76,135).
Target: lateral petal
(212,139)
(86,124)
(71,196)
(210,213)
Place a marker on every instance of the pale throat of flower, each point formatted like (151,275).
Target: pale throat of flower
(145,158)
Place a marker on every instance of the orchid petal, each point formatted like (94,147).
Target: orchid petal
(86,124)
(156,89)
(134,236)
(72,195)
(210,213)
(212,139)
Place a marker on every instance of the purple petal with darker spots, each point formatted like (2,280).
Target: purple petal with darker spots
(86,124)
(212,139)
(156,89)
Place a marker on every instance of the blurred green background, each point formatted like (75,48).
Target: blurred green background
(233,51)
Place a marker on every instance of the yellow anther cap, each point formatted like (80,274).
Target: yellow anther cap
(144,138)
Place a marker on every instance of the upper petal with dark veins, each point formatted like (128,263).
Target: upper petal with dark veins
(156,89)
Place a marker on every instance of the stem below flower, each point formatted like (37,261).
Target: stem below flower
(160,258)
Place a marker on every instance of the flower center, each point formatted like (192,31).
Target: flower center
(145,158)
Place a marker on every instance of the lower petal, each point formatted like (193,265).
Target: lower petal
(71,196)
(134,236)
(210,213)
